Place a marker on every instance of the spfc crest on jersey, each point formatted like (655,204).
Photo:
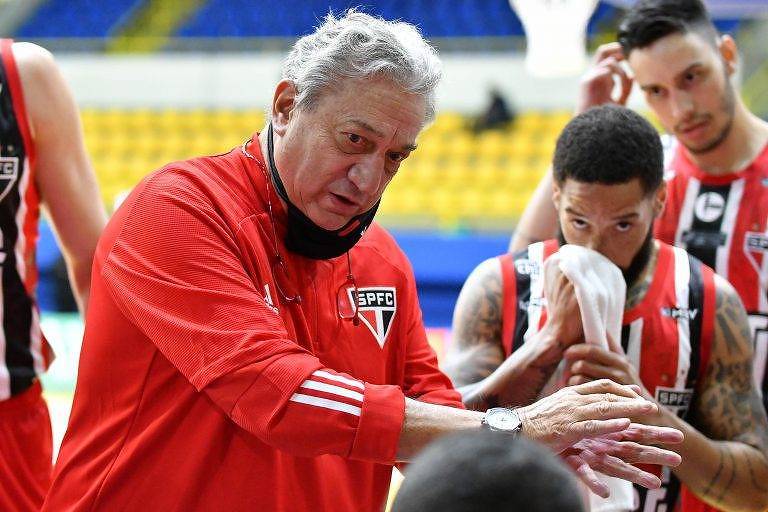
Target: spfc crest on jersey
(9,173)
(376,306)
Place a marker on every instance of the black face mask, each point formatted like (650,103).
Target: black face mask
(638,263)
(306,238)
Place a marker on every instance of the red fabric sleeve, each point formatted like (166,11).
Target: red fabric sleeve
(174,271)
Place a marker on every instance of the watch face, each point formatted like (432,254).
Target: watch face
(502,419)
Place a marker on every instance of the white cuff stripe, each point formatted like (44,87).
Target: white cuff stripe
(339,378)
(325,403)
(335,390)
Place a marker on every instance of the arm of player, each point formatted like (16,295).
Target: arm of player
(724,460)
(64,174)
(476,361)
(729,467)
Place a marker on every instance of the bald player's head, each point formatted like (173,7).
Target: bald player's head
(487,471)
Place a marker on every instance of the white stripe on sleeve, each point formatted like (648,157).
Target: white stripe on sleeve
(331,389)
(339,378)
(325,403)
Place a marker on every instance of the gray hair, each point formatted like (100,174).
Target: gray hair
(358,45)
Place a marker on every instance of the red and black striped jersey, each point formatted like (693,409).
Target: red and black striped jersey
(667,336)
(23,348)
(723,221)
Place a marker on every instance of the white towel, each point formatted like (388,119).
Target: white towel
(600,291)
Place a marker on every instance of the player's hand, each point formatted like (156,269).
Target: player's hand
(586,362)
(563,314)
(589,410)
(597,84)
(616,455)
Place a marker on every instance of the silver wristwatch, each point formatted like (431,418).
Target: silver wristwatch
(501,419)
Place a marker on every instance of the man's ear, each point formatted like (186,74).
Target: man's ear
(556,192)
(659,199)
(729,52)
(283,105)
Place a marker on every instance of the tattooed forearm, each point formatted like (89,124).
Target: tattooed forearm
(756,483)
(519,380)
(727,487)
(473,364)
(730,409)
(729,412)
(708,489)
(729,406)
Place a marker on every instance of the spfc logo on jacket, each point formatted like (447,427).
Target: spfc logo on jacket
(376,306)
(9,173)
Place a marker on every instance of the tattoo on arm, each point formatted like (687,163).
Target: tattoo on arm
(477,345)
(729,408)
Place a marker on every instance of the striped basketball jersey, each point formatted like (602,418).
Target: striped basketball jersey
(24,352)
(667,336)
(723,221)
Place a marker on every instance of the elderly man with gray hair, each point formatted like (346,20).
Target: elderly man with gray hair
(254,340)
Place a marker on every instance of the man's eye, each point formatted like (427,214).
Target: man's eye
(579,224)
(396,157)
(624,226)
(354,138)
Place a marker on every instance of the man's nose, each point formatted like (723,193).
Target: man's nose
(366,174)
(594,242)
(682,105)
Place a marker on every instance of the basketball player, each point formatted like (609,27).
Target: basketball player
(685,332)
(42,163)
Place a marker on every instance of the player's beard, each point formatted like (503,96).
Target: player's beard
(638,263)
(727,109)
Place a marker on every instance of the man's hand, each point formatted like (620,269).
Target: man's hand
(563,314)
(586,362)
(589,410)
(597,84)
(615,455)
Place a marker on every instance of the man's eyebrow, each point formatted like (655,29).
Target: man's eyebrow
(570,210)
(368,127)
(627,216)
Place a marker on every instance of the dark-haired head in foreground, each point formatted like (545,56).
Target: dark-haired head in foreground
(486,471)
(608,169)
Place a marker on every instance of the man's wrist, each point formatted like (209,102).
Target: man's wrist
(503,420)
(549,347)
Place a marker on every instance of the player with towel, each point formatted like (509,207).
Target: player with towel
(684,336)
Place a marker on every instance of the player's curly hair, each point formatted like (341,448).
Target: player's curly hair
(609,145)
(647,21)
(358,45)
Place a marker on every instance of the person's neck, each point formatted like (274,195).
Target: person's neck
(637,290)
(264,146)
(745,141)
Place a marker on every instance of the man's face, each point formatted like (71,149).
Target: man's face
(686,81)
(336,159)
(614,220)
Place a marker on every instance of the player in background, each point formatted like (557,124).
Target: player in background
(43,163)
